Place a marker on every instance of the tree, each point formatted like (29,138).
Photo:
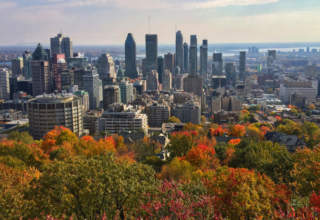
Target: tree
(174,119)
(87,188)
(177,169)
(202,157)
(306,172)
(265,157)
(181,143)
(237,131)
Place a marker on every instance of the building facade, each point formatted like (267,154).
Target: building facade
(130,57)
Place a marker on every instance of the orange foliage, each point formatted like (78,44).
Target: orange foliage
(218,131)
(234,141)
(237,131)
(202,157)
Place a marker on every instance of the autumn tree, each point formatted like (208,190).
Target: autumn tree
(87,188)
(237,131)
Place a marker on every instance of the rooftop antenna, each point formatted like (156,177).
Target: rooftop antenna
(149,27)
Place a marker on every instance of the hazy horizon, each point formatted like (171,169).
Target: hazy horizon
(107,22)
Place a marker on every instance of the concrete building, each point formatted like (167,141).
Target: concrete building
(179,50)
(41,80)
(58,66)
(217,65)
(219,82)
(130,57)
(157,114)
(124,121)
(193,84)
(127,92)
(153,81)
(106,67)
(231,73)
(47,111)
(4,84)
(185,68)
(167,81)
(93,85)
(189,112)
(111,95)
(307,89)
(84,99)
(90,121)
(193,55)
(204,58)
(178,81)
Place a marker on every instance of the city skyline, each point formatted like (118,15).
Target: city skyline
(107,22)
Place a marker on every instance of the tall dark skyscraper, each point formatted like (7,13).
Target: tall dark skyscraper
(169,62)
(193,58)
(130,60)
(185,58)
(242,65)
(204,57)
(151,48)
(217,66)
(160,68)
(60,44)
(179,50)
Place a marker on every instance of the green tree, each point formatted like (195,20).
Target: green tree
(174,119)
(265,157)
(87,188)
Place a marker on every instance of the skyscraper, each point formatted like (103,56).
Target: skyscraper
(106,67)
(193,58)
(152,81)
(126,92)
(150,62)
(185,58)
(130,57)
(111,95)
(27,57)
(160,69)
(217,66)
(41,81)
(40,54)
(242,65)
(169,62)
(60,44)
(17,66)
(4,84)
(93,85)
(167,81)
(204,58)
(179,50)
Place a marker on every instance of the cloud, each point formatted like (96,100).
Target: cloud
(149,4)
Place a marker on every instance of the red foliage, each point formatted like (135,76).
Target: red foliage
(234,141)
(202,156)
(237,131)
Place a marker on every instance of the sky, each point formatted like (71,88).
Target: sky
(107,22)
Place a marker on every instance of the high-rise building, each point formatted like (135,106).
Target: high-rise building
(67,80)
(130,57)
(111,95)
(152,81)
(185,58)
(40,54)
(4,84)
(27,57)
(242,65)
(169,62)
(66,47)
(193,55)
(60,44)
(160,68)
(272,55)
(179,50)
(47,111)
(157,114)
(150,62)
(217,65)
(41,81)
(204,58)
(17,66)
(193,84)
(58,65)
(93,85)
(231,74)
(167,81)
(106,67)
(127,92)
